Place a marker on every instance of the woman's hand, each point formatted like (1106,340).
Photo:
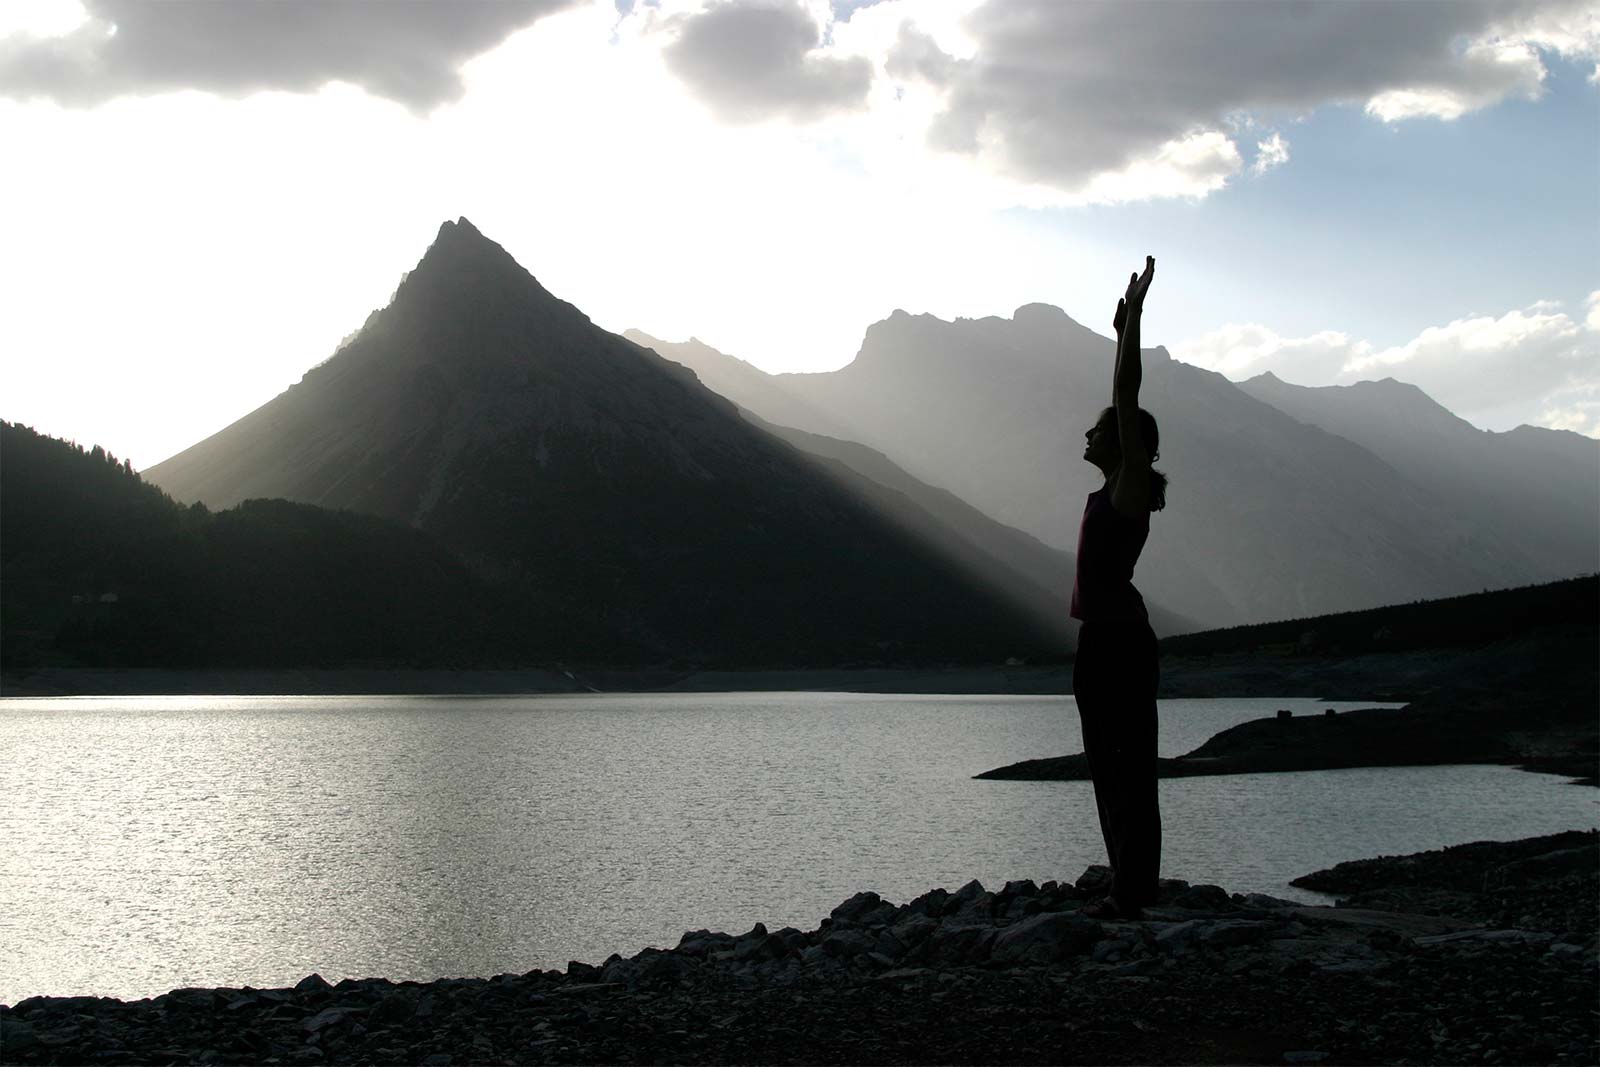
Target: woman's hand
(1120,319)
(1138,286)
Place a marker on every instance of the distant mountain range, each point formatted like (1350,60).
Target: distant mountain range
(1284,502)
(480,476)
(619,497)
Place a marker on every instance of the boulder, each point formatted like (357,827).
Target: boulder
(1204,898)
(854,908)
(1045,938)
(1230,933)
(1096,879)
(953,946)
(932,903)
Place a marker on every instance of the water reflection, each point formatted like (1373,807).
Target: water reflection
(154,842)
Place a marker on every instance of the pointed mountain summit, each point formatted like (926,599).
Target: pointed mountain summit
(639,516)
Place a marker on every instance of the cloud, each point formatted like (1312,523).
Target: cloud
(1273,152)
(1059,94)
(750,60)
(915,54)
(409,52)
(1534,364)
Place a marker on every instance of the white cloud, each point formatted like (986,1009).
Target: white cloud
(1021,102)
(750,61)
(1576,409)
(1273,152)
(1243,350)
(41,18)
(1060,93)
(407,52)
(1533,364)
(1488,71)
(1592,321)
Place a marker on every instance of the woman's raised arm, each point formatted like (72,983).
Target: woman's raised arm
(1130,486)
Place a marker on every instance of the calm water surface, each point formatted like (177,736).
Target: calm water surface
(149,843)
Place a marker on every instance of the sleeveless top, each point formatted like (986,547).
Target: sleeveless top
(1109,543)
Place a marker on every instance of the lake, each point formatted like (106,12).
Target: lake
(156,842)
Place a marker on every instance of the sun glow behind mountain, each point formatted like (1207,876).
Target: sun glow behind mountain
(873,158)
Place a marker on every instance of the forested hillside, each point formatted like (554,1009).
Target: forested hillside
(100,568)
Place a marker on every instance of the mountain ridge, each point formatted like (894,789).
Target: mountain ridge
(603,481)
(1279,516)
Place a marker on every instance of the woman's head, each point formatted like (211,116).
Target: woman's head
(1103,448)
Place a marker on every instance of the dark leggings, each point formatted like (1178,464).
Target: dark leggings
(1114,682)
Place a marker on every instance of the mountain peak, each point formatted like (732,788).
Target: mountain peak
(464,269)
(460,234)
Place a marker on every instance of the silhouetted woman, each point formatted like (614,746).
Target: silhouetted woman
(1114,675)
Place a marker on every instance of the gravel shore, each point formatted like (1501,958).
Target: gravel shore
(1487,955)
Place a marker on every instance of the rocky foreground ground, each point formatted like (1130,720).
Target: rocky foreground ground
(1486,953)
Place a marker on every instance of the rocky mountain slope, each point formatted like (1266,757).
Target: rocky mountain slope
(1268,516)
(605,485)
(1532,488)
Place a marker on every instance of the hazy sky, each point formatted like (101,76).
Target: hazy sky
(204,196)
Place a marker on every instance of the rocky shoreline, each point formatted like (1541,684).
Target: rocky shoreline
(1486,953)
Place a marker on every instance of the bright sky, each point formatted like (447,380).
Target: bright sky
(204,196)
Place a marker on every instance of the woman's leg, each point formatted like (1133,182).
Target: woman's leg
(1090,693)
(1118,710)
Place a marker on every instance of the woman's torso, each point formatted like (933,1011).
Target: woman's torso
(1109,544)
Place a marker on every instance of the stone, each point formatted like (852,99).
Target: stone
(322,1019)
(1177,938)
(1503,937)
(1135,968)
(1203,898)
(1096,878)
(703,942)
(852,909)
(16,1035)
(847,942)
(889,945)
(979,908)
(899,974)
(912,930)
(312,983)
(1021,888)
(394,1008)
(1230,933)
(1108,951)
(969,892)
(931,903)
(953,945)
(1044,938)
